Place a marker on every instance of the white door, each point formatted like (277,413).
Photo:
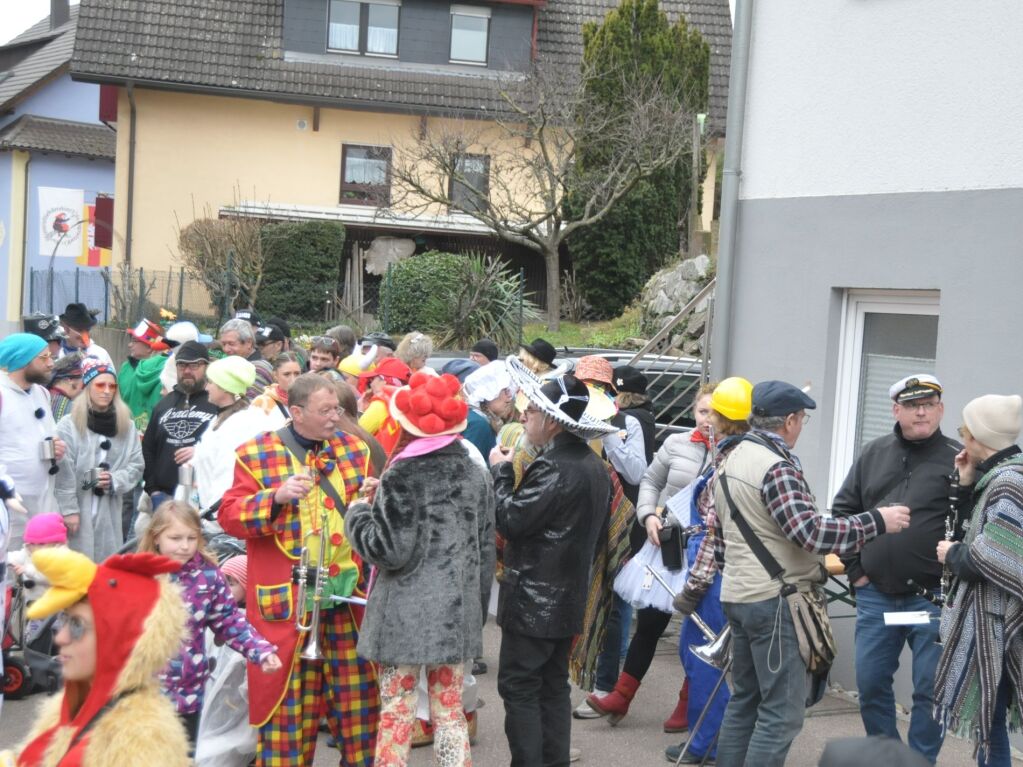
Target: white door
(886,335)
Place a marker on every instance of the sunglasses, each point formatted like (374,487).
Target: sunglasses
(326,341)
(76,627)
(105,385)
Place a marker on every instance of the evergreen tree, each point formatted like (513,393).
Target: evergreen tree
(614,259)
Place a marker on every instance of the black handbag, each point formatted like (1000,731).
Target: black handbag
(673,546)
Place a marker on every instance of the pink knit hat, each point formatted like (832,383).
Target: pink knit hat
(45,528)
(237,568)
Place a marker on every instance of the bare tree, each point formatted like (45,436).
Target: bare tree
(531,154)
(204,246)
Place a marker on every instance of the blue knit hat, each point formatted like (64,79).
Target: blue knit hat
(19,349)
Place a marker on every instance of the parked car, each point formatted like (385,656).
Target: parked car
(673,381)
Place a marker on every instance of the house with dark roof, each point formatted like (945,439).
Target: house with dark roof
(56,168)
(291,107)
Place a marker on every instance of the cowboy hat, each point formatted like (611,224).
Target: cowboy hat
(552,397)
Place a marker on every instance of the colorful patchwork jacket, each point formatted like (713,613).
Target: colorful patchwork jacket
(210,605)
(275,536)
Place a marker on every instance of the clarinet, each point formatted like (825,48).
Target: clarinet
(951,523)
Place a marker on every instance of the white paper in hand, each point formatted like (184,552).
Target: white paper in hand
(907,618)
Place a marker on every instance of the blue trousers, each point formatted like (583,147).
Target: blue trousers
(768,700)
(701,676)
(877,657)
(609,662)
(999,754)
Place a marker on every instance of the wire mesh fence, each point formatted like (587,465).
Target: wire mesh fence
(121,296)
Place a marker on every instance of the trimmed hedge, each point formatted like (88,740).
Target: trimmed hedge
(302,266)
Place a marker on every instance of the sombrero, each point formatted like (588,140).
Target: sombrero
(539,394)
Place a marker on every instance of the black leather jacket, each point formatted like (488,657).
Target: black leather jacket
(890,470)
(551,525)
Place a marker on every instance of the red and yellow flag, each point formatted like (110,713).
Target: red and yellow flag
(91,255)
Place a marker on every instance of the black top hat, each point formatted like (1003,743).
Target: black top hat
(46,326)
(542,350)
(78,317)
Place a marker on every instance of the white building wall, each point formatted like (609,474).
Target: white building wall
(850,97)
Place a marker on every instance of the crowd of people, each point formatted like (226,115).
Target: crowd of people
(377,501)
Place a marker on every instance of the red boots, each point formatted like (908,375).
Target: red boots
(679,721)
(615,705)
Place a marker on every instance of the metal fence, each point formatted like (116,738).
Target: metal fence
(121,296)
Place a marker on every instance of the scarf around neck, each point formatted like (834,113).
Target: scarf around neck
(103,422)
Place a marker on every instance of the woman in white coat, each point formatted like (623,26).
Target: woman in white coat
(103,462)
(227,380)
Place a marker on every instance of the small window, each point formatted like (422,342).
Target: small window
(470,33)
(369,28)
(366,175)
(470,185)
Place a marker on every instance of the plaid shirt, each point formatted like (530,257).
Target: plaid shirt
(791,504)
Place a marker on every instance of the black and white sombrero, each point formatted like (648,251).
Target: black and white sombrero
(540,394)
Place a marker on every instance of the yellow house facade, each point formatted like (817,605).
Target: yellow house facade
(265,110)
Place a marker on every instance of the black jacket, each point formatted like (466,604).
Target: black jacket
(178,420)
(892,470)
(551,525)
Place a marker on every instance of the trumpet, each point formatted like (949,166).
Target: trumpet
(718,650)
(305,576)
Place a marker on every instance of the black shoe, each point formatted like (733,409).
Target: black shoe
(671,754)
(479,667)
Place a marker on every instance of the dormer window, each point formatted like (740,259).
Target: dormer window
(369,28)
(470,34)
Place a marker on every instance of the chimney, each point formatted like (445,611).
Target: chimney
(60,12)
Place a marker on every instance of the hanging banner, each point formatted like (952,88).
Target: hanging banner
(90,254)
(60,220)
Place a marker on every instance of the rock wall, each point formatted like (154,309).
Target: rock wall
(666,293)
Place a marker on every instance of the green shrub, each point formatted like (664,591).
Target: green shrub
(457,299)
(301,269)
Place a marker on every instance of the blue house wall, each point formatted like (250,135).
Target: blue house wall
(65,100)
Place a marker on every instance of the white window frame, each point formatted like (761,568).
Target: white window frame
(479,12)
(856,304)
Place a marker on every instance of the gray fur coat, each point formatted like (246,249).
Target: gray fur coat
(430,532)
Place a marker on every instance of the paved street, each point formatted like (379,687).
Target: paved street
(637,740)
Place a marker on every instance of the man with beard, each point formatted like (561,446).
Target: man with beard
(26,423)
(178,421)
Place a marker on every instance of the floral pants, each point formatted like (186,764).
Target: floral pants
(398,691)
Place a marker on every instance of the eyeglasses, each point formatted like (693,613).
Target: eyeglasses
(105,385)
(927,406)
(76,627)
(806,418)
(192,365)
(326,413)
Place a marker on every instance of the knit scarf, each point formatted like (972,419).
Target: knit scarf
(981,623)
(612,552)
(103,422)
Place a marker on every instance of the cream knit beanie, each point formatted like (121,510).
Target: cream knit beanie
(994,420)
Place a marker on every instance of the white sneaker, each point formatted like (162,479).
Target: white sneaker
(574,754)
(583,710)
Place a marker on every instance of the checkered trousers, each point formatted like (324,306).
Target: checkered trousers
(342,686)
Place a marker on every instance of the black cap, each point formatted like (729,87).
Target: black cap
(777,398)
(542,350)
(627,378)
(249,315)
(379,339)
(460,368)
(268,334)
(487,348)
(192,351)
(77,316)
(282,324)
(46,326)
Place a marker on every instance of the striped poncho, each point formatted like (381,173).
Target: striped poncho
(981,624)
